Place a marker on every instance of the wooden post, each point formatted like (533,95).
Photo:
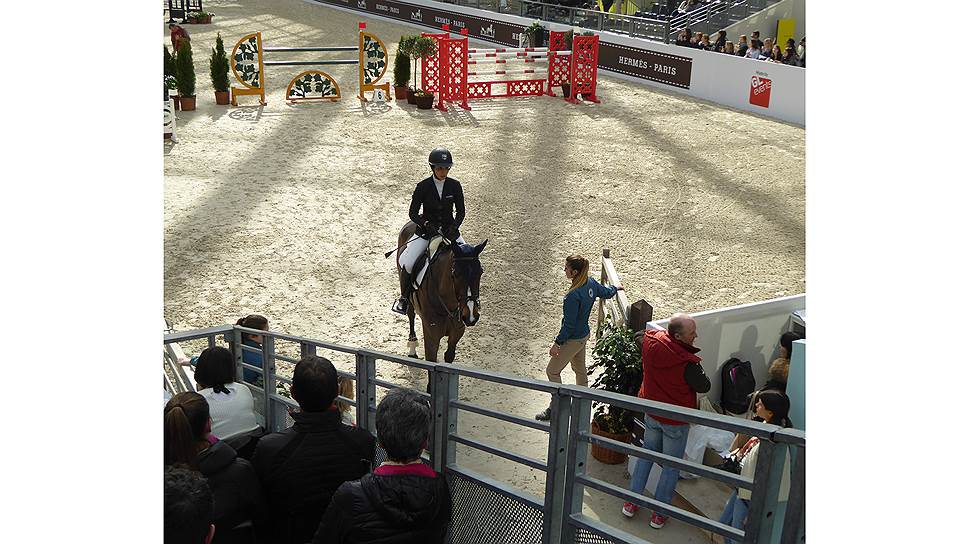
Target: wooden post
(639,315)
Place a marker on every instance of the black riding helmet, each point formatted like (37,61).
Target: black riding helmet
(441,157)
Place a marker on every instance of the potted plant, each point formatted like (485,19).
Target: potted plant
(620,360)
(401,67)
(185,75)
(219,68)
(200,18)
(171,83)
(424,99)
(421,48)
(535,34)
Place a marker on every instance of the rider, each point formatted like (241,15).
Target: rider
(439,195)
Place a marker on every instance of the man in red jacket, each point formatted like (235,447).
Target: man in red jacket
(671,373)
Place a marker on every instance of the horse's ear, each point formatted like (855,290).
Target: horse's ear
(480,247)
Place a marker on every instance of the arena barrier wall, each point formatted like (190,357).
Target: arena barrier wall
(487,510)
(248,66)
(773,90)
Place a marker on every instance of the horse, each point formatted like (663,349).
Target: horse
(448,299)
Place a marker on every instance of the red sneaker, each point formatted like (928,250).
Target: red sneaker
(629,509)
(657,521)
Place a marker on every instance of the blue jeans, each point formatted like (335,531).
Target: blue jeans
(735,513)
(670,440)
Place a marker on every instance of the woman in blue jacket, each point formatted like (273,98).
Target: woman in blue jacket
(569,345)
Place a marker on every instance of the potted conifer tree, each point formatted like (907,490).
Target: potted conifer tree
(171,83)
(401,67)
(422,48)
(219,68)
(185,76)
(620,361)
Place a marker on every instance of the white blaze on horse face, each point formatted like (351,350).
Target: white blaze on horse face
(470,307)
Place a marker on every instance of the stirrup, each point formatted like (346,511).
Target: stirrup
(400,306)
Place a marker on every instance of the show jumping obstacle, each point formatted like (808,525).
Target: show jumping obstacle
(249,69)
(446,72)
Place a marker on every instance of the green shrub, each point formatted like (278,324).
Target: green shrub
(422,47)
(620,360)
(185,69)
(219,66)
(401,62)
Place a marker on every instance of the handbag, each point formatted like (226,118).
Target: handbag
(730,464)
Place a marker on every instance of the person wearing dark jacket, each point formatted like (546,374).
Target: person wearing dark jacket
(671,373)
(238,495)
(439,196)
(569,345)
(403,501)
(301,467)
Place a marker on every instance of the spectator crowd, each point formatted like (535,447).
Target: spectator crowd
(791,53)
(226,482)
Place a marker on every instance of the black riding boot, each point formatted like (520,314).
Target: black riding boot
(406,286)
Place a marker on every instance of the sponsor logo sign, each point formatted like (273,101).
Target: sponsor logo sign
(652,65)
(760,88)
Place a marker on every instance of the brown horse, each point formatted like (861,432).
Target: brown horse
(448,298)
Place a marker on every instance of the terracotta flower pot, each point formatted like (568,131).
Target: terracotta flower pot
(222,98)
(177,100)
(606,455)
(188,103)
(410,98)
(566,89)
(400,93)
(425,101)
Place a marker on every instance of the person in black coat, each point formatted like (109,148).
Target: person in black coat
(439,196)
(238,495)
(301,467)
(403,501)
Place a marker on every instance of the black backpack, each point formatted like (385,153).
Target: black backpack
(738,384)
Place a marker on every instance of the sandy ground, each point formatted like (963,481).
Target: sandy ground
(287,210)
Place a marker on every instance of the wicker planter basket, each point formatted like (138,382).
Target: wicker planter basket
(606,455)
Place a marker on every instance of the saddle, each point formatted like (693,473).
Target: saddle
(428,258)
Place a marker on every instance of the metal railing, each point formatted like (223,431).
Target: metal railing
(557,516)
(592,19)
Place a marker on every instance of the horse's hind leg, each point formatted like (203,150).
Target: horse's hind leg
(412,341)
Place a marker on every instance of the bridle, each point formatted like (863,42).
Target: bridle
(462,297)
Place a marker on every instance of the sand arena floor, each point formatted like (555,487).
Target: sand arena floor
(287,210)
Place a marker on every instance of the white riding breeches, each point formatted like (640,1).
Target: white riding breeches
(416,246)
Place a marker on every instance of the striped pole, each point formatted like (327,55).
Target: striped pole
(501,61)
(509,50)
(501,55)
(501,72)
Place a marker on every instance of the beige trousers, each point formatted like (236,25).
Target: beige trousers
(572,352)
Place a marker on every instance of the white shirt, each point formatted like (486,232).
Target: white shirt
(439,183)
(232,413)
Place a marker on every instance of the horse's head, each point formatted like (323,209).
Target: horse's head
(467,274)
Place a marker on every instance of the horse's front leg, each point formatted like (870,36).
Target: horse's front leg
(455,335)
(431,347)
(412,341)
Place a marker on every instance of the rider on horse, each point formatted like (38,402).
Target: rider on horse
(439,195)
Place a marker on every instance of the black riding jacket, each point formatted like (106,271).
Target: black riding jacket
(436,209)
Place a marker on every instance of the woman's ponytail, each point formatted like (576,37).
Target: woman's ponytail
(186,416)
(580,265)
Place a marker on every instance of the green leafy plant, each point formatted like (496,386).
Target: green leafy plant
(422,47)
(219,66)
(401,61)
(569,36)
(185,70)
(533,32)
(620,360)
(170,81)
(422,93)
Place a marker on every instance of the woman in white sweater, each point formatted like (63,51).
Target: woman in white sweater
(771,407)
(230,404)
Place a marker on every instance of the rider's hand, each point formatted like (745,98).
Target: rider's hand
(431,229)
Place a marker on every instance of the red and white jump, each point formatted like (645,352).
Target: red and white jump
(446,72)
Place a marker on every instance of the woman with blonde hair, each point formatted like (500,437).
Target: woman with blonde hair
(569,345)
